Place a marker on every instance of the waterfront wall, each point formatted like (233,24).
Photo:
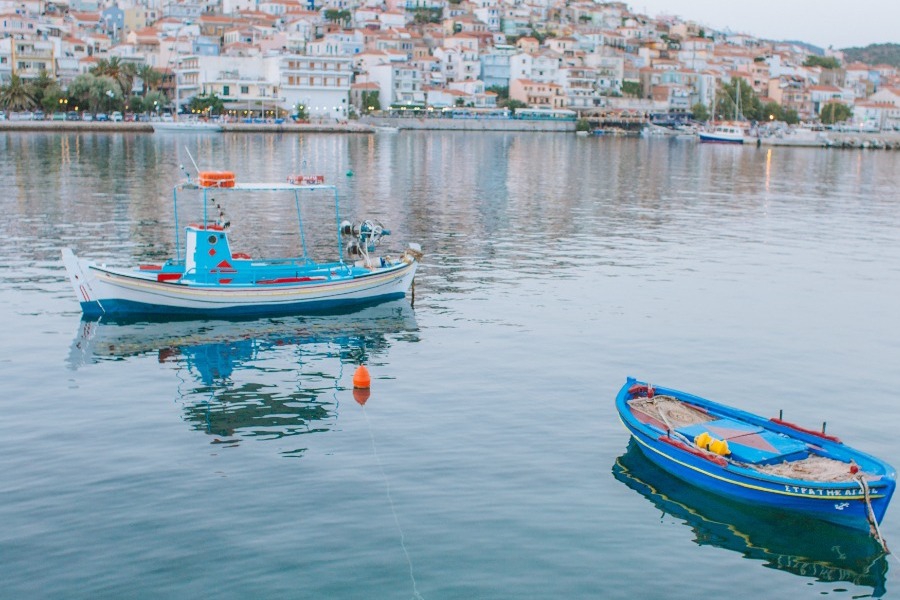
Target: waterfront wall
(469,124)
(107,126)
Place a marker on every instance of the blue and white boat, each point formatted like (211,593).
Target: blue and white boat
(206,278)
(724,133)
(764,462)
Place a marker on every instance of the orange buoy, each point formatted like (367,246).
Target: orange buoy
(361,395)
(361,377)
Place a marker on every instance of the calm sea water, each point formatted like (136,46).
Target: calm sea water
(189,458)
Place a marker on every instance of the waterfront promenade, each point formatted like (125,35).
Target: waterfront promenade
(369,125)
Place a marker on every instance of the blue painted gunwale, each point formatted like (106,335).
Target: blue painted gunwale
(837,502)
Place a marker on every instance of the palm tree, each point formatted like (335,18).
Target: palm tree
(149,77)
(122,73)
(15,95)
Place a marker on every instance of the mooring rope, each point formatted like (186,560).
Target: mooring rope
(870,513)
(387,487)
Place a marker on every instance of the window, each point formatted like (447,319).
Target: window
(226,90)
(245,89)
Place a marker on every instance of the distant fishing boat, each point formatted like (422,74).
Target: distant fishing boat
(207,277)
(727,132)
(186,126)
(724,133)
(764,462)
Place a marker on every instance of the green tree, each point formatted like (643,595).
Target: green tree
(791,117)
(38,86)
(301,112)
(726,105)
(155,102)
(771,111)
(211,105)
(150,78)
(513,104)
(338,16)
(135,104)
(631,88)
(50,99)
(700,112)
(16,95)
(122,73)
(582,125)
(370,101)
(834,112)
(826,62)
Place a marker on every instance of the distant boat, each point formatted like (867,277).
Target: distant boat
(762,462)
(728,132)
(724,133)
(186,126)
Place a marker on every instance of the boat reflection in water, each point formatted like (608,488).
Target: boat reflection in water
(267,378)
(811,548)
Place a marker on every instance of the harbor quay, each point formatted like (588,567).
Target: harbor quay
(887,140)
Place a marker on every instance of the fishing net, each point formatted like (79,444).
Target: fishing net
(669,410)
(811,468)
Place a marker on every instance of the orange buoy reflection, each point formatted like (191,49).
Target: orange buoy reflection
(361,395)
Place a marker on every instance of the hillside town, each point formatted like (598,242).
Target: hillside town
(334,60)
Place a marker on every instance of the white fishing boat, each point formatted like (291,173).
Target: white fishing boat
(206,277)
(186,126)
(724,133)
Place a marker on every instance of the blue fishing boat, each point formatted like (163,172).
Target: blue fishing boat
(208,278)
(785,541)
(763,462)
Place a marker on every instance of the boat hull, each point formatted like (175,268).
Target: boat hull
(180,127)
(720,139)
(842,503)
(103,291)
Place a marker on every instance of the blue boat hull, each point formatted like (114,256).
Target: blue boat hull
(842,503)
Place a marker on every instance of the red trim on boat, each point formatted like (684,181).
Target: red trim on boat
(150,267)
(168,277)
(833,438)
(240,255)
(288,280)
(210,227)
(693,450)
(225,281)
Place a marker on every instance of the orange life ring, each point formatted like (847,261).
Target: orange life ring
(222,179)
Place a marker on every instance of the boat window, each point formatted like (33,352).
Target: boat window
(213,239)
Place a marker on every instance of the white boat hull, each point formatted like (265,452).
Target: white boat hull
(106,291)
(186,127)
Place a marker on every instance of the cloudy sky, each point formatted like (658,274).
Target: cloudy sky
(824,23)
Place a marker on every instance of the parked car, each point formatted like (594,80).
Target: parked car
(167,118)
(2,116)
(37,115)
(73,116)
(116,117)
(58,116)
(101,117)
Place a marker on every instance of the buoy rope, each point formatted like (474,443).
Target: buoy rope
(870,513)
(387,487)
